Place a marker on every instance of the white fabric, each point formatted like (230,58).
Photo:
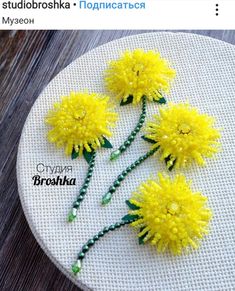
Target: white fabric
(206,78)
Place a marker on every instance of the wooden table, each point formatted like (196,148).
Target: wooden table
(28,61)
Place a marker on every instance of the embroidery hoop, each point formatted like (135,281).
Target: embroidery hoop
(198,60)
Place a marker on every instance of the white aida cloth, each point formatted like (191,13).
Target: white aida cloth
(206,78)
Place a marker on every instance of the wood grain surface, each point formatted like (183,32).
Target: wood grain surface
(28,61)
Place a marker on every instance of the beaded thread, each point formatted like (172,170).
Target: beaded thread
(114,155)
(112,189)
(77,266)
(73,213)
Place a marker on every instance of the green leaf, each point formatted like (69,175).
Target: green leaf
(162,100)
(148,139)
(107,144)
(141,238)
(128,101)
(74,154)
(130,217)
(88,155)
(167,159)
(131,205)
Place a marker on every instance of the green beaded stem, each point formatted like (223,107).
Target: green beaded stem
(112,189)
(73,213)
(76,267)
(114,155)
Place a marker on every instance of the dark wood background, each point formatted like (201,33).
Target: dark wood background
(28,61)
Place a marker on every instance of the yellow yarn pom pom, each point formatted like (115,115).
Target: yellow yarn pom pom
(183,134)
(170,215)
(139,74)
(80,121)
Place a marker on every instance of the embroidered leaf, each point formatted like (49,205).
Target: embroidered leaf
(167,159)
(130,217)
(74,154)
(107,144)
(162,100)
(148,139)
(131,205)
(88,155)
(141,238)
(128,101)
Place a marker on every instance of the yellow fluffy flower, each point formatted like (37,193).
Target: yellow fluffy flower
(80,121)
(183,134)
(139,74)
(170,215)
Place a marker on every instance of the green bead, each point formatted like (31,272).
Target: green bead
(85,185)
(122,148)
(118,224)
(112,227)
(124,173)
(112,189)
(106,198)
(132,166)
(128,169)
(90,242)
(95,237)
(85,248)
(134,132)
(116,183)
(71,217)
(105,230)
(127,143)
(81,256)
(89,175)
(101,233)
(131,138)
(76,204)
(76,268)
(82,191)
(114,155)
(137,162)
(80,198)
(87,180)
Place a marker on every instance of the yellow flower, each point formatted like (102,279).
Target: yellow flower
(183,134)
(80,121)
(170,215)
(139,74)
